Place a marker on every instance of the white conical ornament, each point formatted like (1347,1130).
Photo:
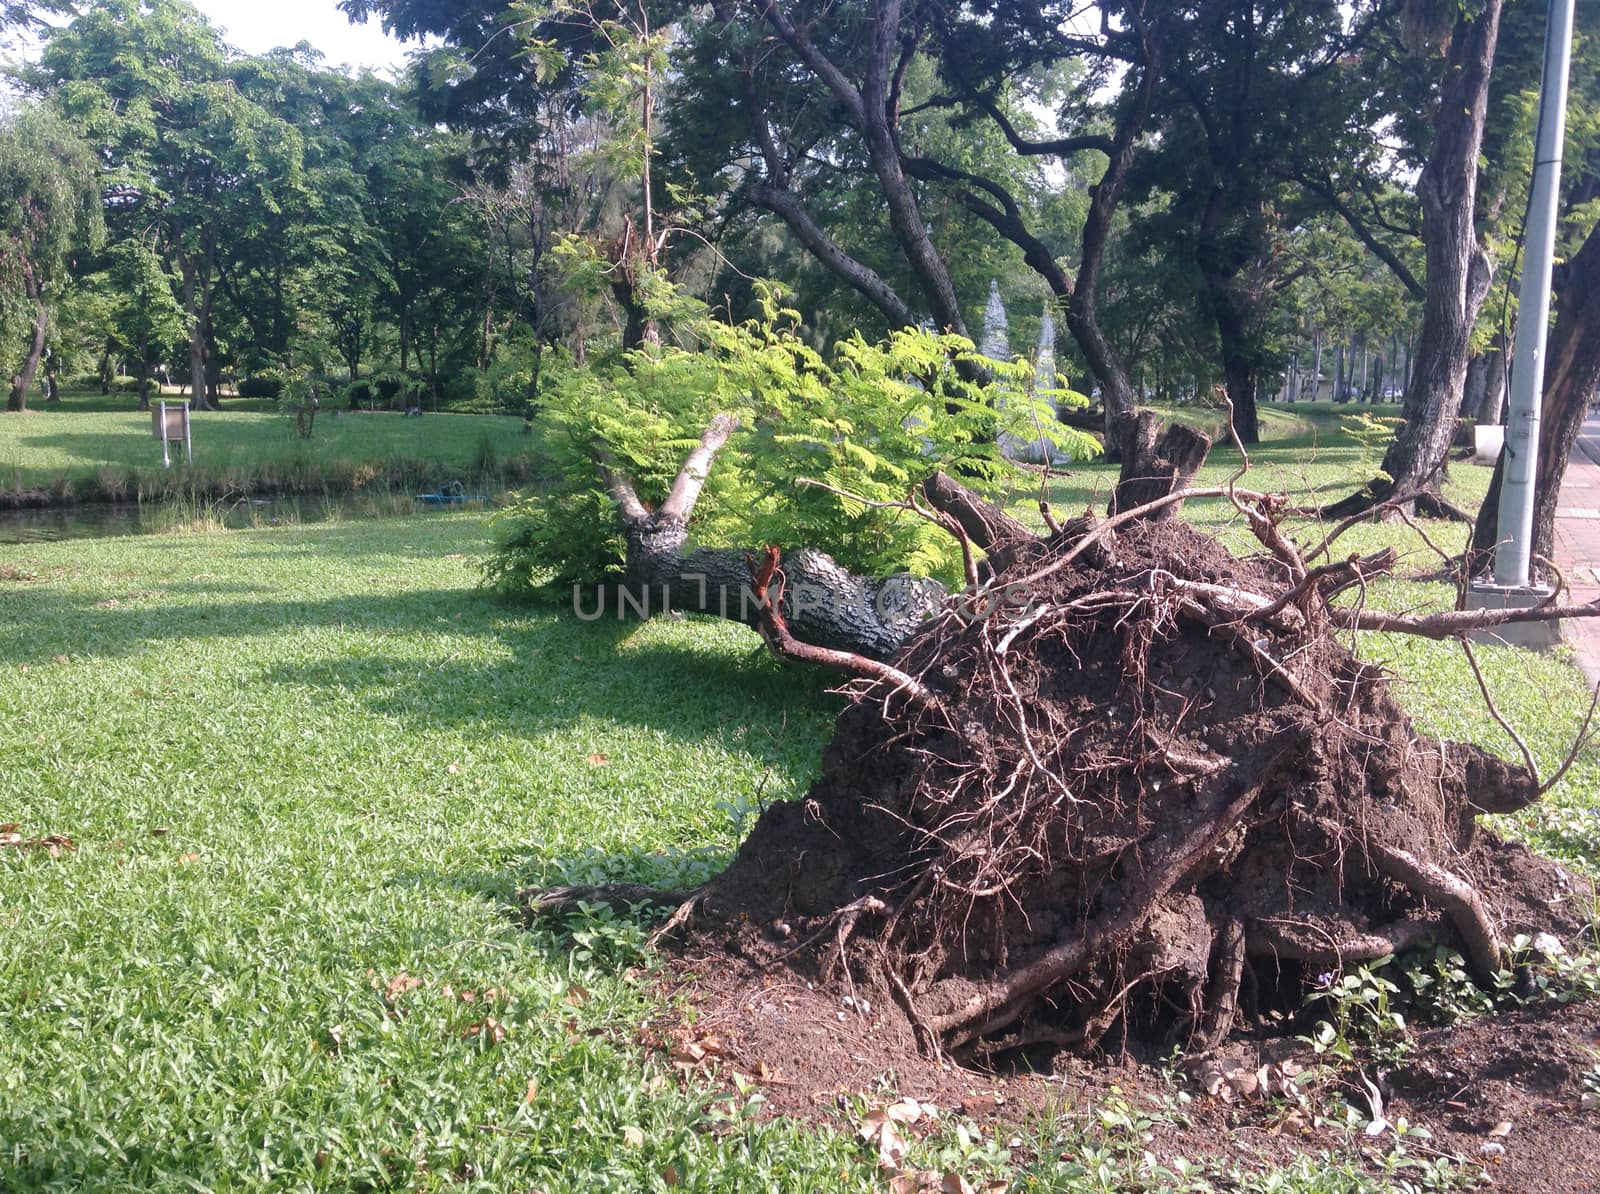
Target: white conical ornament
(996,346)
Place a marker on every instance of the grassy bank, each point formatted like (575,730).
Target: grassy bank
(1279,422)
(305,771)
(79,451)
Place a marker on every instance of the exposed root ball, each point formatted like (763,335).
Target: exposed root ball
(1136,805)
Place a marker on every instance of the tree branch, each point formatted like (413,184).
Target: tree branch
(691,478)
(786,205)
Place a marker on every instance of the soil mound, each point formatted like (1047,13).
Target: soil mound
(1145,794)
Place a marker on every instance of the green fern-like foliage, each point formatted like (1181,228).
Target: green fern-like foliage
(869,420)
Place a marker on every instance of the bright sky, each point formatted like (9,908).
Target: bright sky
(255,26)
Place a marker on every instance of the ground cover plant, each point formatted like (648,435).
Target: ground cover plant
(83,450)
(304,774)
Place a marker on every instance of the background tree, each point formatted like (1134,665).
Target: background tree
(183,147)
(49,207)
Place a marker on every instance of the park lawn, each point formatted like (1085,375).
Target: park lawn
(80,450)
(1278,422)
(301,767)
(357,759)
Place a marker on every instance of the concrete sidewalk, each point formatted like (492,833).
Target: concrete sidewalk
(1577,542)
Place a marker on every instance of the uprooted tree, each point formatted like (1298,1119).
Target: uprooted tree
(1121,782)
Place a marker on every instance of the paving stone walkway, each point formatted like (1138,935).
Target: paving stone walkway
(1578,542)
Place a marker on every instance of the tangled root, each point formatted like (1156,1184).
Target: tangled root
(1115,802)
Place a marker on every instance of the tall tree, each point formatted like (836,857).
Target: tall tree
(152,86)
(1458,260)
(49,206)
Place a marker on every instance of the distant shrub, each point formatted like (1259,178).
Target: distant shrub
(360,395)
(260,387)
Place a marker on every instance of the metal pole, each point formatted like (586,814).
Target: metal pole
(1511,556)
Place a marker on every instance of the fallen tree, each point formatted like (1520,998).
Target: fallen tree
(1124,785)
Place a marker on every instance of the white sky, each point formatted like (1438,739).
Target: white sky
(256,26)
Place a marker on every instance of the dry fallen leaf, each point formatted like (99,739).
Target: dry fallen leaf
(577,996)
(160,831)
(452,769)
(1503,1128)
(490,1030)
(191,856)
(906,1111)
(399,985)
(597,760)
(879,1131)
(669,1175)
(633,1136)
(533,1090)
(688,1054)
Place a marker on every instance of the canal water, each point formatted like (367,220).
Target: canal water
(100,520)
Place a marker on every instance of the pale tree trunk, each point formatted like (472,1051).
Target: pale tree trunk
(1494,398)
(826,605)
(23,381)
(1458,269)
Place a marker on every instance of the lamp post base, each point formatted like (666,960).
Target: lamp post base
(1540,636)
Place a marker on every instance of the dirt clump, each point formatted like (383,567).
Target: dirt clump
(1144,796)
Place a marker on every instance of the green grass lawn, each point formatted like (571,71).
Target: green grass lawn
(300,764)
(93,448)
(1278,422)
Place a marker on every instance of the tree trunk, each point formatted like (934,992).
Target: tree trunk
(1458,269)
(1476,387)
(23,381)
(866,107)
(1571,373)
(1316,368)
(1155,464)
(197,369)
(1238,363)
(1081,314)
(825,605)
(787,206)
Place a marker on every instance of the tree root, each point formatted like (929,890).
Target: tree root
(1284,940)
(997,1004)
(1455,895)
(1222,999)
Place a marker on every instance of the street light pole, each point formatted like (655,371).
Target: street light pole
(1515,539)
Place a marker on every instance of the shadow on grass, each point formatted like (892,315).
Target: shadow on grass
(504,878)
(544,669)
